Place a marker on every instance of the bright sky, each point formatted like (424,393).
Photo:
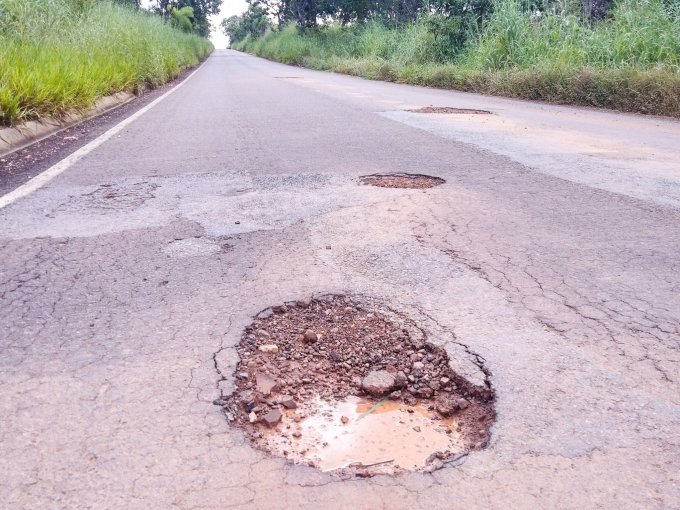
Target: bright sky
(229,8)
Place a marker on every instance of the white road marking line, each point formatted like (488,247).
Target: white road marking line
(41,179)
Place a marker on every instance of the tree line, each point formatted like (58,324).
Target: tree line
(453,18)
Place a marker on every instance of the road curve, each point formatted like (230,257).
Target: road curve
(552,251)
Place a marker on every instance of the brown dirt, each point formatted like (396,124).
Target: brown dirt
(298,353)
(447,109)
(408,181)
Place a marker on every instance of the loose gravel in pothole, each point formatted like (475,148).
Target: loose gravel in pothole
(447,109)
(331,384)
(408,181)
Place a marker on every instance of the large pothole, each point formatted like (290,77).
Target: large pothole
(400,180)
(329,383)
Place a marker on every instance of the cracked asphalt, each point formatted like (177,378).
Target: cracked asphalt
(126,282)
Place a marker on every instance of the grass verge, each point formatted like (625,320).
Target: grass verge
(63,55)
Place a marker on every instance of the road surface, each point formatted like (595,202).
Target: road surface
(552,251)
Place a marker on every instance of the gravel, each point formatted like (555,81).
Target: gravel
(332,348)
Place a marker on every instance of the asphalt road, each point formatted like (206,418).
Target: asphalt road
(552,252)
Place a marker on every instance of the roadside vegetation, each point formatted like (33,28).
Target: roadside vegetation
(621,54)
(61,55)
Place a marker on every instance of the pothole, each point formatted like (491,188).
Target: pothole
(448,109)
(332,384)
(398,180)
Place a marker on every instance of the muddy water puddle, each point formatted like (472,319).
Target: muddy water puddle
(359,433)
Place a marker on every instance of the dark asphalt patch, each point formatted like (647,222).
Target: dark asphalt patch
(401,180)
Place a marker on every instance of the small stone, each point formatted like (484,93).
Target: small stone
(304,303)
(444,381)
(272,418)
(400,380)
(344,420)
(462,403)
(297,434)
(262,332)
(445,406)
(269,348)
(416,428)
(418,365)
(246,396)
(288,402)
(424,392)
(252,417)
(310,336)
(280,309)
(378,383)
(265,383)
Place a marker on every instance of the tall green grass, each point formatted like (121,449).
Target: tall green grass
(640,33)
(629,62)
(60,55)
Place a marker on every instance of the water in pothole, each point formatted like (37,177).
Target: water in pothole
(356,432)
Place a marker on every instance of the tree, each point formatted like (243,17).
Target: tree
(182,18)
(201,8)
(253,22)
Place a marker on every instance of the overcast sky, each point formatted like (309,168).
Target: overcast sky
(229,8)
